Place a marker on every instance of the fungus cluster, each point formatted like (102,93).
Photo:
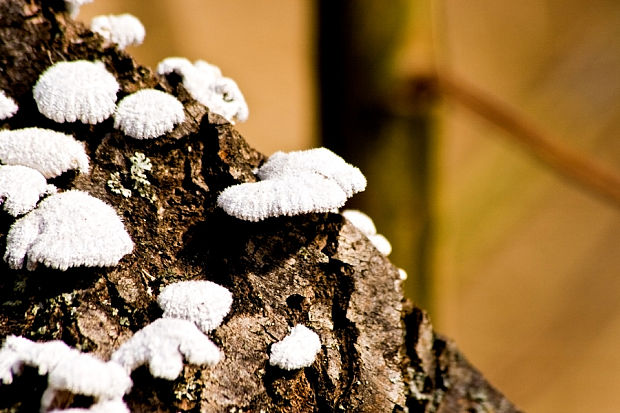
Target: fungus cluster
(315,180)
(206,84)
(67,370)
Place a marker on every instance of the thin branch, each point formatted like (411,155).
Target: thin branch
(574,165)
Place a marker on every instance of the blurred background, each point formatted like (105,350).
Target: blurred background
(516,263)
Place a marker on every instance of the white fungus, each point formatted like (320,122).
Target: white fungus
(21,187)
(68,229)
(206,84)
(360,221)
(45,150)
(66,368)
(381,243)
(296,350)
(402,274)
(290,195)
(106,406)
(321,161)
(78,90)
(8,107)
(202,302)
(148,113)
(73,6)
(122,29)
(162,345)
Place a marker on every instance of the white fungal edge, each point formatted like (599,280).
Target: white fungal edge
(360,221)
(148,113)
(73,6)
(297,350)
(67,369)
(68,229)
(204,81)
(163,344)
(381,243)
(78,90)
(290,195)
(21,187)
(8,107)
(204,303)
(45,150)
(122,29)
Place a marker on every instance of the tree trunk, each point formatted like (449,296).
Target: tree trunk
(379,353)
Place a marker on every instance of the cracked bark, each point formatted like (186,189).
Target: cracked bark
(379,353)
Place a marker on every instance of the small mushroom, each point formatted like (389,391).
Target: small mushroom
(78,90)
(296,350)
(163,344)
(202,302)
(123,29)
(8,107)
(45,150)
(68,229)
(148,113)
(21,187)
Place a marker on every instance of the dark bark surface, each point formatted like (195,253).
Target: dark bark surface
(379,353)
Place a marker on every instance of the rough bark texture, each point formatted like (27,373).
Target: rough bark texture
(316,269)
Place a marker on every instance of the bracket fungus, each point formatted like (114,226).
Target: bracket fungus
(21,187)
(45,150)
(315,180)
(291,195)
(202,302)
(8,107)
(68,229)
(162,345)
(365,224)
(148,113)
(66,368)
(296,350)
(122,29)
(78,90)
(206,84)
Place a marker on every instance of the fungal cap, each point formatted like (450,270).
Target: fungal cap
(402,274)
(8,107)
(381,243)
(178,65)
(123,29)
(202,302)
(296,350)
(68,229)
(73,6)
(148,113)
(21,187)
(360,221)
(162,345)
(289,195)
(78,90)
(320,161)
(45,150)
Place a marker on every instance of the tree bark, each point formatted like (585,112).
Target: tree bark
(379,353)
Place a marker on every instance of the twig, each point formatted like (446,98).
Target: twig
(577,166)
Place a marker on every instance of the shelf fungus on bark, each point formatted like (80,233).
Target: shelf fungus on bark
(163,344)
(148,113)
(122,29)
(296,350)
(45,150)
(8,107)
(366,225)
(21,188)
(78,90)
(67,369)
(206,84)
(295,183)
(68,229)
(204,303)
